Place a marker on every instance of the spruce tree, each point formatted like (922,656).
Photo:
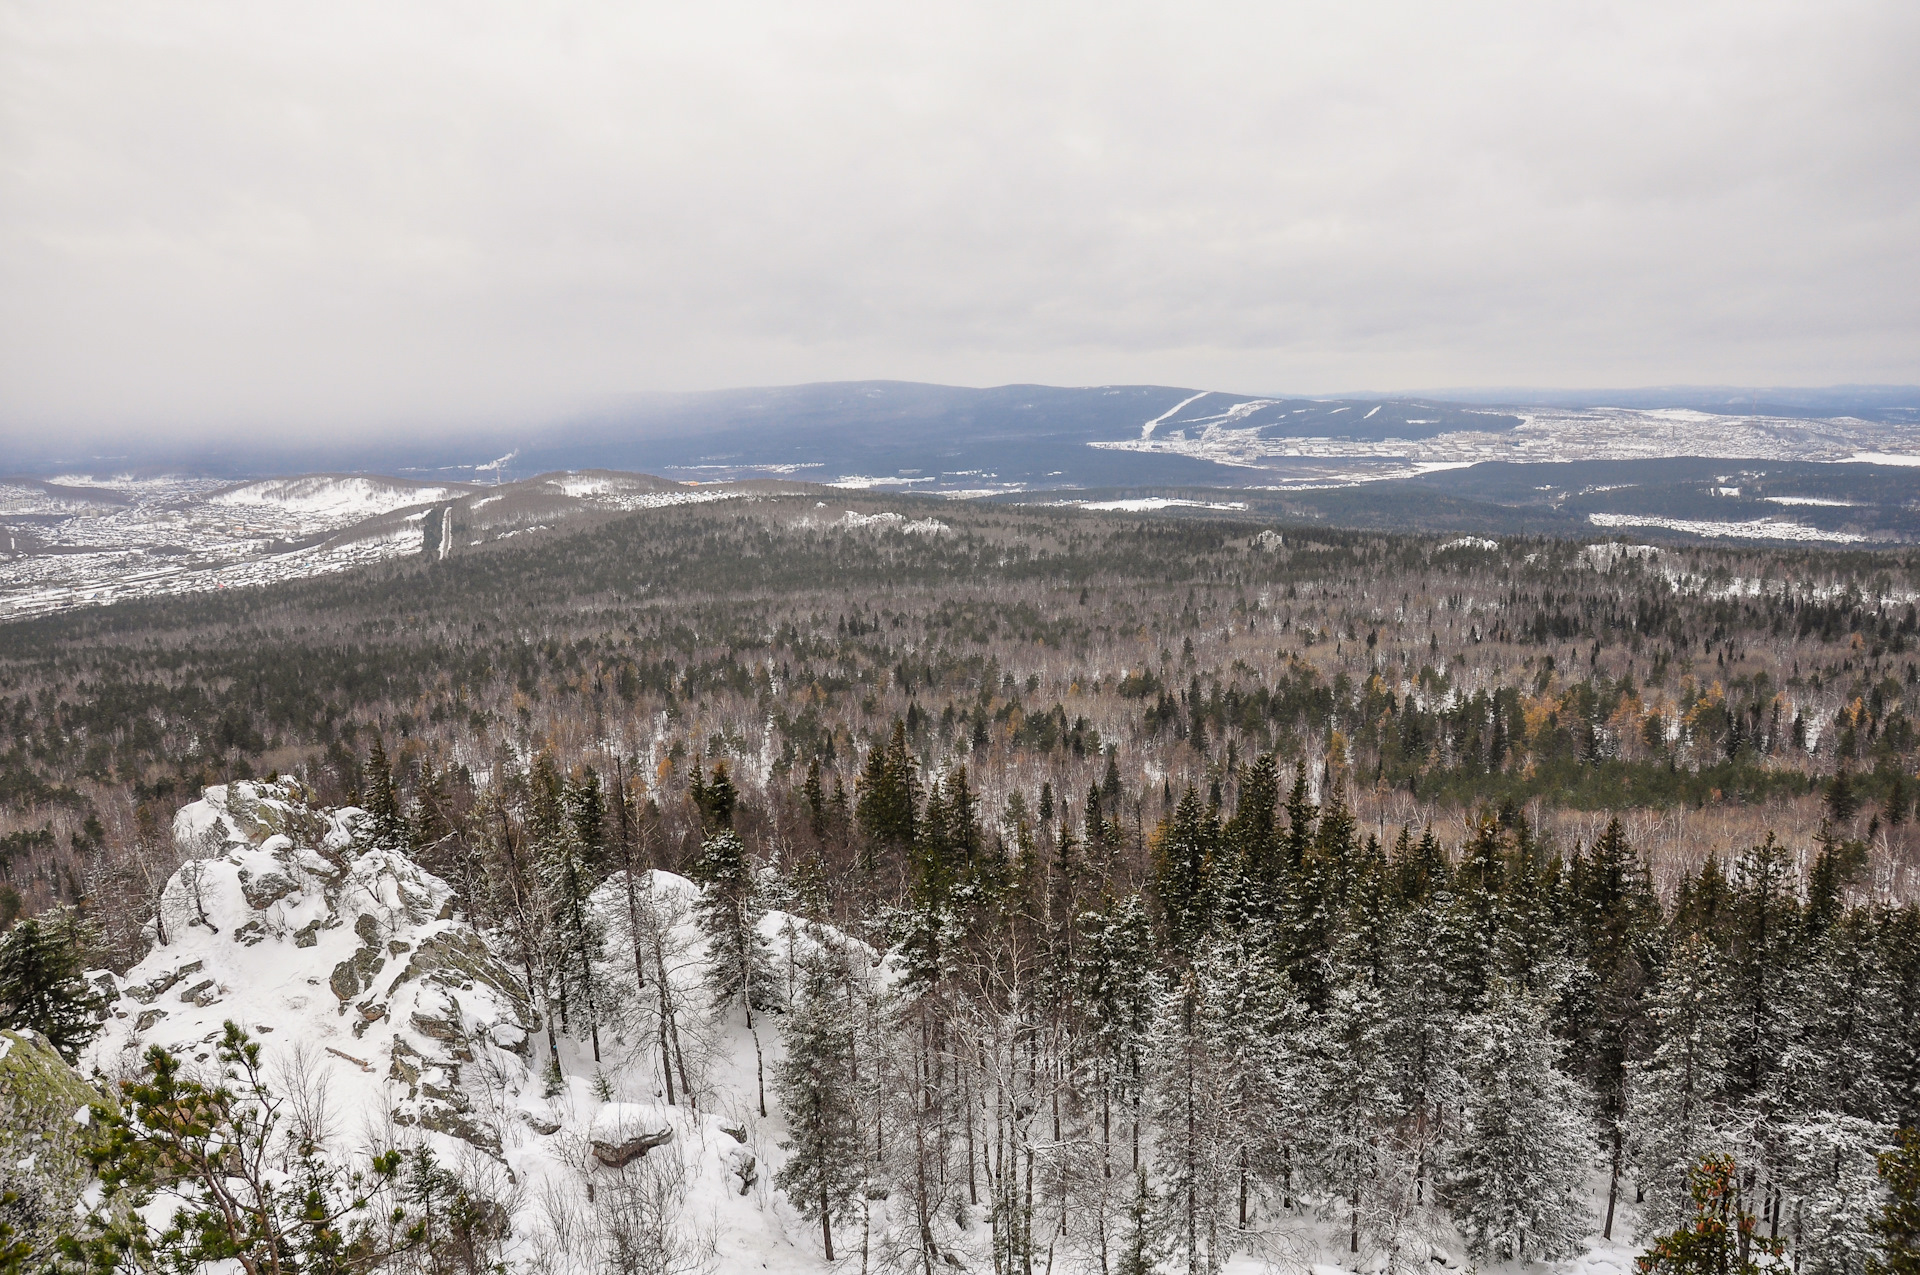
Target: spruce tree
(1764,919)
(1143,1248)
(1201,1130)
(587,809)
(1352,1100)
(1520,1162)
(575,932)
(817,1090)
(1678,1101)
(1254,835)
(715,798)
(739,959)
(1617,914)
(1897,1229)
(1843,803)
(1118,989)
(1301,813)
(387,826)
(814,794)
(888,801)
(1187,844)
(1480,922)
(1423,1048)
(40,985)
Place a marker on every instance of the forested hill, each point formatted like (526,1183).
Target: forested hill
(1029,642)
(965,883)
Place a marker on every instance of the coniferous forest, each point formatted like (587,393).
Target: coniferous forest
(1175,892)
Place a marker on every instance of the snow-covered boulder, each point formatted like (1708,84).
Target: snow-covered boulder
(389,1020)
(624,1131)
(345,963)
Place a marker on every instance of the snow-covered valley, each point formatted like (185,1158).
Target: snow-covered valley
(78,540)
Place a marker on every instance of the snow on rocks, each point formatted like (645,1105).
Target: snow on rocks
(372,999)
(623,1131)
(351,964)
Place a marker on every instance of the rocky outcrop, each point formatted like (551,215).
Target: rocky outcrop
(45,1111)
(286,920)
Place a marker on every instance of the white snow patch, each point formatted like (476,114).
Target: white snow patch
(331,496)
(895,522)
(1753,529)
(1146,430)
(1147,504)
(1601,556)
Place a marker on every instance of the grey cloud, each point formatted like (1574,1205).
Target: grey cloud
(217,216)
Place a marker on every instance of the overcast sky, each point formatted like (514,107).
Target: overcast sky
(360,215)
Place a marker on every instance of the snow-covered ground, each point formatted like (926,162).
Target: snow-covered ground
(118,538)
(81,540)
(1544,435)
(1750,529)
(1151,504)
(398,1026)
(333,497)
(390,1021)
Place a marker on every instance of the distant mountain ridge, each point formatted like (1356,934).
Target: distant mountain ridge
(1884,403)
(1008,435)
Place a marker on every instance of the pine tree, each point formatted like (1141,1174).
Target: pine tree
(239,1193)
(1521,1158)
(40,985)
(1720,1238)
(817,1088)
